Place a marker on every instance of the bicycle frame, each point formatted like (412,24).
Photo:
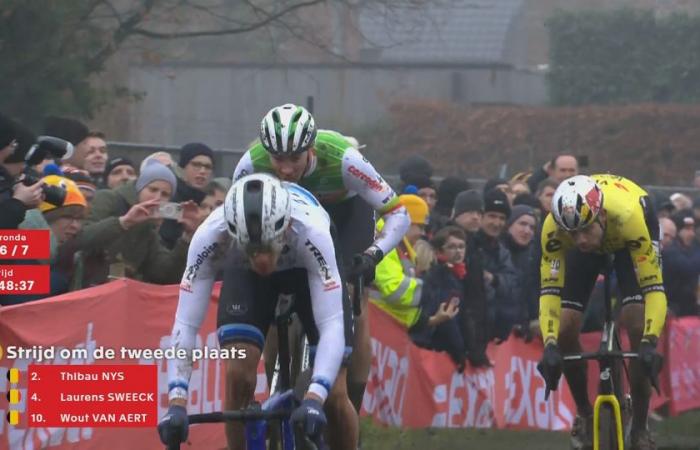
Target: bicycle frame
(280,404)
(608,392)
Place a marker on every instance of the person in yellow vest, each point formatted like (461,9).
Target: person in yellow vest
(397,289)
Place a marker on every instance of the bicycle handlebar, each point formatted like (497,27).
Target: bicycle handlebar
(599,355)
(238,416)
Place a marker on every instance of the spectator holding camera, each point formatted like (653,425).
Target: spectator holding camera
(16,197)
(121,230)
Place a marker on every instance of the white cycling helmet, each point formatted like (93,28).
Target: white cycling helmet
(257,209)
(287,129)
(576,202)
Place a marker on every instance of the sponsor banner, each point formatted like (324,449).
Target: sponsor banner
(121,314)
(407,387)
(412,387)
(683,359)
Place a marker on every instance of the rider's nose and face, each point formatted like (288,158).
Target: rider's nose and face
(263,262)
(290,167)
(590,238)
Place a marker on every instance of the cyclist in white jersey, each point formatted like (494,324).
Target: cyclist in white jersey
(330,166)
(270,237)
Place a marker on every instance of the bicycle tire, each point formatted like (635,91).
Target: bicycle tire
(607,436)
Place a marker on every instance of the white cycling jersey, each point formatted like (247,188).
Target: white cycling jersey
(308,245)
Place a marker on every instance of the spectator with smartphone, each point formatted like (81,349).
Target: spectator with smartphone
(120,231)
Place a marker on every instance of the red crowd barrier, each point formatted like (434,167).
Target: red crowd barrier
(408,386)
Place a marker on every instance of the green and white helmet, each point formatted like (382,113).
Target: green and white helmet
(287,129)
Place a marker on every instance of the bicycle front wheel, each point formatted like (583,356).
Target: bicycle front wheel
(607,435)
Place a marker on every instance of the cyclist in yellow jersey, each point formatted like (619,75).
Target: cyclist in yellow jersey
(593,217)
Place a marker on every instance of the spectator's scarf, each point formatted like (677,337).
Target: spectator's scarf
(459,270)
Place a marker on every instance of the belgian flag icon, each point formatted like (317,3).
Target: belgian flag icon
(13,376)
(13,417)
(13,396)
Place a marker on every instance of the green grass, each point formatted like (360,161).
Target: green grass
(678,433)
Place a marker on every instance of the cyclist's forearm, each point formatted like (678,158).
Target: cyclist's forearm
(654,313)
(329,356)
(180,369)
(396,224)
(550,312)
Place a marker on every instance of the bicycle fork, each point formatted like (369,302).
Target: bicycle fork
(617,415)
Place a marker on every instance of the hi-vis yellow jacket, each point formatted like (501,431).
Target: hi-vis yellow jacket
(396,288)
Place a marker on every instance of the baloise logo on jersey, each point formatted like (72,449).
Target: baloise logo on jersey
(191,272)
(323,269)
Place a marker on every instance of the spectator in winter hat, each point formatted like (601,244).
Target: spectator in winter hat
(119,171)
(500,277)
(84,182)
(501,184)
(197,163)
(196,166)
(468,210)
(65,220)
(123,222)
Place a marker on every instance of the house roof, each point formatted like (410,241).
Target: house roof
(443,31)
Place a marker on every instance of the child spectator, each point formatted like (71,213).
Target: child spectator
(443,297)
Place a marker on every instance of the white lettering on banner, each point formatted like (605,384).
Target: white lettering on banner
(685,374)
(522,382)
(202,396)
(469,402)
(19,438)
(388,374)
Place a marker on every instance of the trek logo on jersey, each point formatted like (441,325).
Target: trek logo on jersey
(323,269)
(373,184)
(191,272)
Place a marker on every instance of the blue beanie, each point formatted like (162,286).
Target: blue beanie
(155,171)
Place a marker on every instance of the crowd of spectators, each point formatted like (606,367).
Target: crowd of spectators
(466,273)
(477,261)
(111,222)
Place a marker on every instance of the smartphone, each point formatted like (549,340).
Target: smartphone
(170,210)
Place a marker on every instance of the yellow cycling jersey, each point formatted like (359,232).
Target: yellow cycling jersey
(626,228)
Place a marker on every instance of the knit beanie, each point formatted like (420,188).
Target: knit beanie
(468,201)
(116,162)
(154,171)
(417,208)
(519,211)
(496,200)
(190,151)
